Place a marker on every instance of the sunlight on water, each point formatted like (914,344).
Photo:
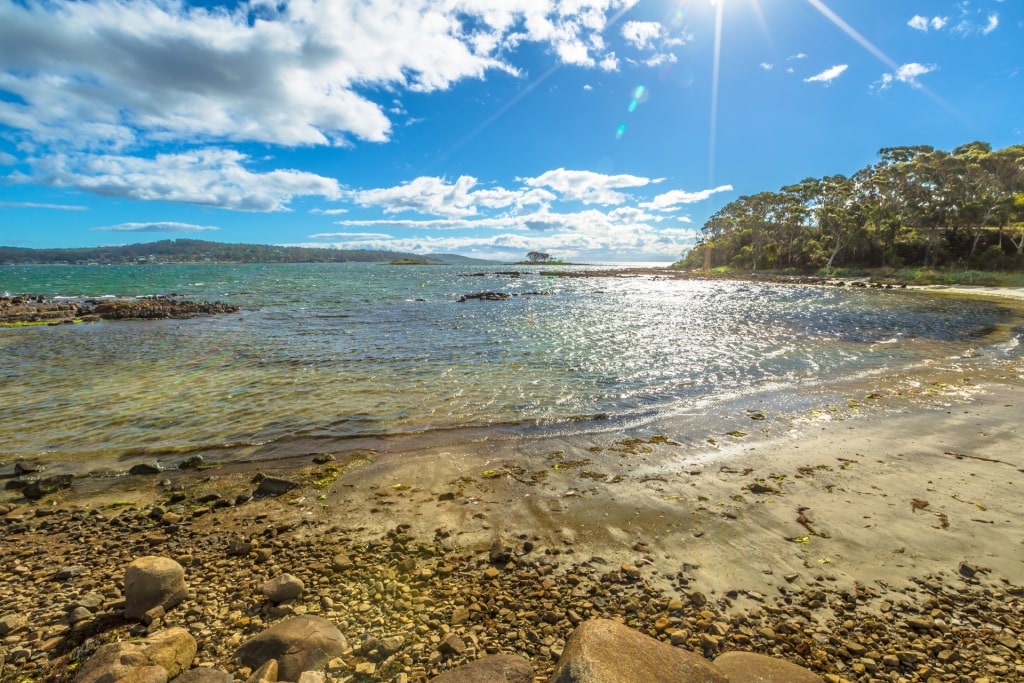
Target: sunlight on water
(323,352)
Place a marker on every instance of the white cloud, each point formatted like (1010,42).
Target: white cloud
(918,22)
(435,196)
(938,23)
(993,22)
(908,73)
(622,234)
(799,55)
(828,75)
(157,226)
(674,198)
(588,87)
(210,176)
(642,34)
(109,74)
(38,205)
(766,66)
(7,159)
(588,187)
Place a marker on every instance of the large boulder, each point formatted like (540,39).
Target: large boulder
(494,669)
(602,651)
(747,667)
(302,643)
(150,582)
(171,651)
(47,485)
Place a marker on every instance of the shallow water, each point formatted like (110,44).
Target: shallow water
(329,352)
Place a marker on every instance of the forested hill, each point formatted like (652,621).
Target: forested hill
(918,206)
(195,251)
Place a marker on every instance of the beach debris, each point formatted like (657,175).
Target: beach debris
(760,488)
(961,456)
(736,434)
(757,415)
(918,504)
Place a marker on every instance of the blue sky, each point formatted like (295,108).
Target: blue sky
(593,130)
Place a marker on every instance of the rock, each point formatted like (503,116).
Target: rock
(600,651)
(10,623)
(273,486)
(501,552)
(171,650)
(302,643)
(65,573)
(145,674)
(312,677)
(747,667)
(44,487)
(265,674)
(78,614)
(23,467)
(145,468)
(190,463)
(493,669)
(282,588)
(238,546)
(485,296)
(452,645)
(203,674)
(152,581)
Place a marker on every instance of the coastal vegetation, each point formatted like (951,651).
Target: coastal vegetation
(961,210)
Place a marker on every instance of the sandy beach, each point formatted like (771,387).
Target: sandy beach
(884,496)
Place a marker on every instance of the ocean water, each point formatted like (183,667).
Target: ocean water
(325,357)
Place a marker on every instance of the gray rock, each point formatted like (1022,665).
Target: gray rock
(65,573)
(303,643)
(282,588)
(171,650)
(203,674)
(146,468)
(152,581)
(44,487)
(747,667)
(494,669)
(273,486)
(600,651)
(265,674)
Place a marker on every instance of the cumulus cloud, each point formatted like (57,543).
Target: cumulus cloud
(436,196)
(157,226)
(641,34)
(766,66)
(921,23)
(993,23)
(107,74)
(209,176)
(907,73)
(674,198)
(828,75)
(588,187)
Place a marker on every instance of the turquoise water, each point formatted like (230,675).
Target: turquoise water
(327,354)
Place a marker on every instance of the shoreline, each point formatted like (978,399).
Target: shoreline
(898,502)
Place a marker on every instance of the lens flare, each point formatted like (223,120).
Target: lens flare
(620,131)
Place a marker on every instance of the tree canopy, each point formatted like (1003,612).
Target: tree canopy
(916,206)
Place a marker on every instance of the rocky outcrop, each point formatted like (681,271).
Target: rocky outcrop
(34,309)
(303,643)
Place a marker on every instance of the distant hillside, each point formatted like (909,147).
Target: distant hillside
(455,259)
(196,251)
